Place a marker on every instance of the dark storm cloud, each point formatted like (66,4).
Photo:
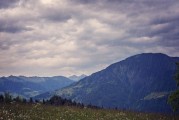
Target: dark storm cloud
(8,3)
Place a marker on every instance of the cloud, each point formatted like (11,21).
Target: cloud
(65,37)
(55,14)
(8,3)
(85,1)
(12,28)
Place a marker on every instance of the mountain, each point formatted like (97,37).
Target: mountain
(77,78)
(18,86)
(32,86)
(141,82)
(50,83)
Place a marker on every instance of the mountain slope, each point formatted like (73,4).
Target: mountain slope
(32,86)
(128,83)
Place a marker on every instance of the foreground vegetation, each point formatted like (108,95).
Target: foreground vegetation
(174,96)
(57,108)
(19,111)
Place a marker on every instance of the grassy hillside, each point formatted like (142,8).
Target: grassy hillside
(44,112)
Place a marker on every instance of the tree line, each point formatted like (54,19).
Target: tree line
(54,100)
(7,98)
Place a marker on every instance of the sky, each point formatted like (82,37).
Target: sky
(73,37)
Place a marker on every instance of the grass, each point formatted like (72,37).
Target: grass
(44,112)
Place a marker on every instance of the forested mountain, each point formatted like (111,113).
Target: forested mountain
(141,82)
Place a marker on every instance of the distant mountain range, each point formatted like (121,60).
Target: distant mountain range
(141,82)
(77,78)
(32,86)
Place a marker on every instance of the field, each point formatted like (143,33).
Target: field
(44,112)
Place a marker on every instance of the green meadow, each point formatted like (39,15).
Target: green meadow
(46,112)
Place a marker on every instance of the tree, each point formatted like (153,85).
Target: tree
(7,97)
(36,101)
(24,100)
(43,101)
(18,99)
(31,100)
(56,100)
(177,74)
(1,98)
(173,99)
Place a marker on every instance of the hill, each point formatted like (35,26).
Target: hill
(141,82)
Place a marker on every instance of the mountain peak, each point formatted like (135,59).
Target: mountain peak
(149,55)
(77,78)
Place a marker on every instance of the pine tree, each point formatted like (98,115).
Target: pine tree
(173,99)
(31,100)
(43,101)
(1,98)
(7,97)
(18,99)
(24,100)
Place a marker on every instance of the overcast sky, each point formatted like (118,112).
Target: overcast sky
(66,37)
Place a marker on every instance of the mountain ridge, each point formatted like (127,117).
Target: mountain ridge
(32,86)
